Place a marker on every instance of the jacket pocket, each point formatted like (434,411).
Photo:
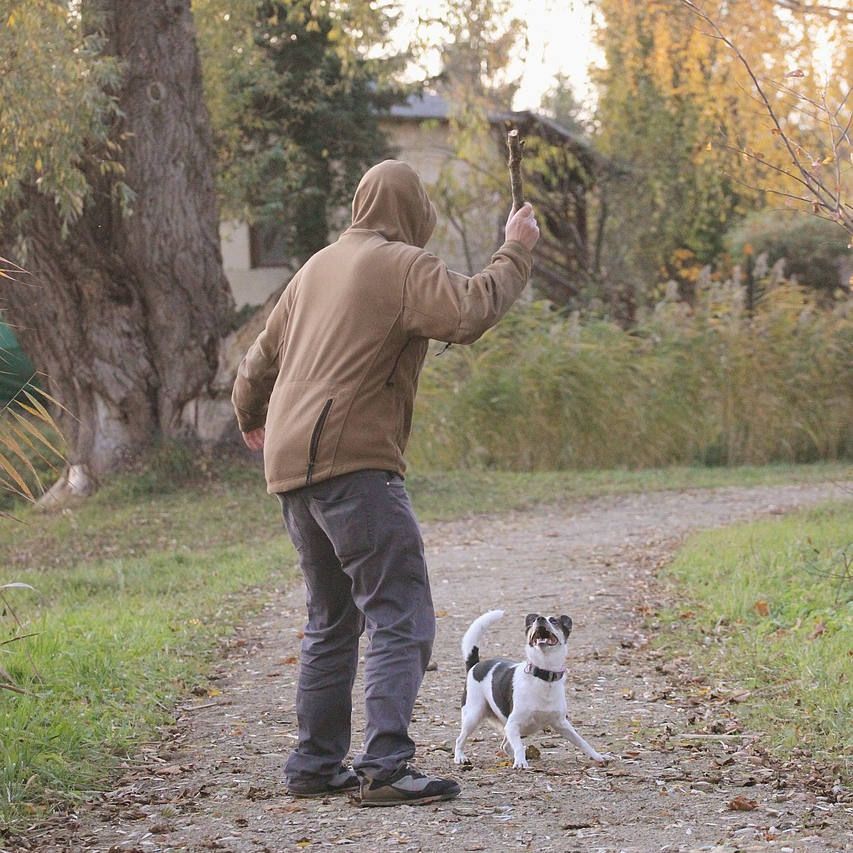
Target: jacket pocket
(314,445)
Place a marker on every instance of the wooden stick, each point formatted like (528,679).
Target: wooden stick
(514,144)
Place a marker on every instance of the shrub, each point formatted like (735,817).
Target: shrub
(814,250)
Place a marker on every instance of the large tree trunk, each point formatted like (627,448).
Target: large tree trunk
(126,314)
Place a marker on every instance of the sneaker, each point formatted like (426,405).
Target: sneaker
(344,781)
(407,785)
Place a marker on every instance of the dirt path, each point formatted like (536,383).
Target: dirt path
(215,781)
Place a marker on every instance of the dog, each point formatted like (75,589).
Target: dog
(522,698)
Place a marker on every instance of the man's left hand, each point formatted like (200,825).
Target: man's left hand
(254,439)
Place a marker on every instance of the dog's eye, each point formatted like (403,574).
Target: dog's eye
(553,621)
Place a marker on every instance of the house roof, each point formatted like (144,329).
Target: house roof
(422,107)
(431,106)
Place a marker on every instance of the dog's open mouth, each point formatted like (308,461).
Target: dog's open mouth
(542,637)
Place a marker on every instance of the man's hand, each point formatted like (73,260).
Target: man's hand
(522,226)
(254,440)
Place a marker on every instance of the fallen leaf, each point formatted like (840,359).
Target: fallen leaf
(762,608)
(741,804)
(820,628)
(284,809)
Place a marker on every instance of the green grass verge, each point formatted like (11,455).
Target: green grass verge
(768,607)
(135,588)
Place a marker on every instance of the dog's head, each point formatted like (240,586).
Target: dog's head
(546,639)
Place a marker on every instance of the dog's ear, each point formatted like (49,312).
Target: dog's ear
(566,622)
(529,620)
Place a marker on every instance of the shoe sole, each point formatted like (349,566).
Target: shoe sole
(415,801)
(315,794)
(324,792)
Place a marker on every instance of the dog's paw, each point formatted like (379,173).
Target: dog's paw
(461,758)
(521,764)
(602,760)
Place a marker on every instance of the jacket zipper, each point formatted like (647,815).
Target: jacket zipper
(314,445)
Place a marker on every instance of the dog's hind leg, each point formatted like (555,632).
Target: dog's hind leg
(567,730)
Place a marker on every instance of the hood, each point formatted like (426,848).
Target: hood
(392,200)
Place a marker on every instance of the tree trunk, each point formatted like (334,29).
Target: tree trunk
(126,314)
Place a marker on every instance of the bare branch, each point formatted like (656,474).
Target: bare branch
(826,10)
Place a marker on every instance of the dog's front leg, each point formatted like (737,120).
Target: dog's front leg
(567,730)
(469,723)
(512,734)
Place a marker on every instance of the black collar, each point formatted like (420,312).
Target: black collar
(544,674)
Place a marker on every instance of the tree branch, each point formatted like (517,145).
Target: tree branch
(836,13)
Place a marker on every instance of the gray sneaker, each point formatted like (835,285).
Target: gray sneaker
(407,785)
(341,782)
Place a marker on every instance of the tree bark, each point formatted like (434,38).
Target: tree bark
(126,315)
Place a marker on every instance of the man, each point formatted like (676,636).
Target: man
(326,390)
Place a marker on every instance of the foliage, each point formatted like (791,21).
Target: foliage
(678,108)
(295,103)
(814,250)
(715,384)
(810,160)
(656,115)
(55,106)
(767,606)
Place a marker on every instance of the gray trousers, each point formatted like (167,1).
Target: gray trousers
(362,557)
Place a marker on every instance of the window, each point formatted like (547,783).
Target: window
(268,246)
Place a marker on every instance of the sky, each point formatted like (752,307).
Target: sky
(559,41)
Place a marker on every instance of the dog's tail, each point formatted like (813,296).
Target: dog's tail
(474,636)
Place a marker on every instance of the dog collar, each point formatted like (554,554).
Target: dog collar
(545,674)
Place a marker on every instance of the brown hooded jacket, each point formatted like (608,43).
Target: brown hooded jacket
(333,375)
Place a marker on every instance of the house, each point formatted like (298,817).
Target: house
(466,235)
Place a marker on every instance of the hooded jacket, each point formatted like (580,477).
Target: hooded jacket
(333,375)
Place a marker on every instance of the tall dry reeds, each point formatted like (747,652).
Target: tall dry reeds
(714,383)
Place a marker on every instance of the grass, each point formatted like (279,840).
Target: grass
(135,589)
(770,609)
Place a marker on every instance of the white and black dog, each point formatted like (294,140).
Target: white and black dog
(520,697)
